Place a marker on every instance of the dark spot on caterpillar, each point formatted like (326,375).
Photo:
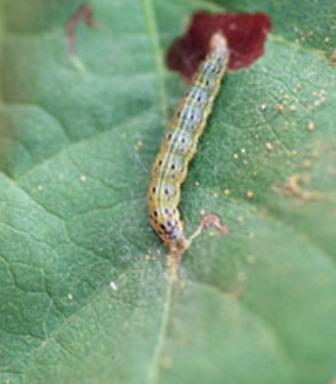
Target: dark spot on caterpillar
(154,189)
(245,32)
(169,135)
(156,213)
(172,166)
(160,162)
(162,226)
(173,235)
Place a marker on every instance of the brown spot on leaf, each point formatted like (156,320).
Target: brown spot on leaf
(332,58)
(295,184)
(83,13)
(212,220)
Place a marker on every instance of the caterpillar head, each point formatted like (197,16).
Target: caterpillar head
(218,42)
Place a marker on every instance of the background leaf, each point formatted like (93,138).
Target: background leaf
(84,297)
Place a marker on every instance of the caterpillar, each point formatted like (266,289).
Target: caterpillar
(178,147)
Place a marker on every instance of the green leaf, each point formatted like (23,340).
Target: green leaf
(84,294)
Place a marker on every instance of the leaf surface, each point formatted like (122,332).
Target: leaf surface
(84,295)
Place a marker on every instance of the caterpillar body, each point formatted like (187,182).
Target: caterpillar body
(179,146)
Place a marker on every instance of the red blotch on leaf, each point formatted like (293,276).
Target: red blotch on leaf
(245,32)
